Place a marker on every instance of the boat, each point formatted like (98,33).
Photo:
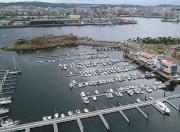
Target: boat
(162,107)
(111,90)
(118,94)
(9,123)
(78,111)
(49,117)
(83,94)
(56,115)
(5,100)
(85,100)
(130,92)
(3,110)
(70,113)
(94,98)
(138,100)
(62,115)
(96,92)
(86,110)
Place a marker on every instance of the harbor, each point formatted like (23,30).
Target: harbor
(42,99)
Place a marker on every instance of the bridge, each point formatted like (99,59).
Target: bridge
(99,113)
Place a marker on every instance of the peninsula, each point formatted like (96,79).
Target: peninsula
(51,41)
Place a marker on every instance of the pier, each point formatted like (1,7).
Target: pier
(142,112)
(104,121)
(125,117)
(178,109)
(77,117)
(80,125)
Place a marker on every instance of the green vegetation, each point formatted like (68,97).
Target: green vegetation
(44,42)
(154,48)
(132,47)
(161,40)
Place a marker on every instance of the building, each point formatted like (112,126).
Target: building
(148,58)
(168,67)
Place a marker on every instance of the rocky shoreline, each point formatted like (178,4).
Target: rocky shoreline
(51,41)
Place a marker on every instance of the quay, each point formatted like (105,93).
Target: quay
(155,70)
(77,117)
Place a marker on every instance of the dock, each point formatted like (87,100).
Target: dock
(142,112)
(55,127)
(125,117)
(104,121)
(80,125)
(88,115)
(178,109)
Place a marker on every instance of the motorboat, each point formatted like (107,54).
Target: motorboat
(86,110)
(85,100)
(138,100)
(62,115)
(96,92)
(162,107)
(9,123)
(56,115)
(83,94)
(70,113)
(94,98)
(78,111)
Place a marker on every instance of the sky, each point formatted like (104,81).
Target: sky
(134,2)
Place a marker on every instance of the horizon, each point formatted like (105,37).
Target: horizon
(111,2)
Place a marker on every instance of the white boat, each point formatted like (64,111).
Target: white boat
(111,90)
(70,113)
(62,115)
(78,111)
(94,98)
(56,115)
(96,92)
(138,100)
(44,118)
(49,117)
(83,94)
(3,110)
(162,107)
(5,100)
(9,123)
(86,110)
(85,100)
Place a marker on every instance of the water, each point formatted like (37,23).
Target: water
(42,89)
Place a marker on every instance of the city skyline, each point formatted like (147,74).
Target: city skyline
(137,2)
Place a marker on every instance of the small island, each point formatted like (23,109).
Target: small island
(51,41)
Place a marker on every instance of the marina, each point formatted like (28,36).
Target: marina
(44,87)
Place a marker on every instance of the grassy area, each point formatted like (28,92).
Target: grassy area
(132,47)
(43,42)
(154,48)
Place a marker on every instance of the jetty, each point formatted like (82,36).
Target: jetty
(100,113)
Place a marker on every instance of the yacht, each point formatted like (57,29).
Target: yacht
(83,94)
(94,98)
(5,100)
(62,115)
(45,118)
(78,111)
(70,113)
(3,110)
(85,100)
(86,110)
(138,100)
(96,92)
(162,107)
(8,123)
(56,115)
